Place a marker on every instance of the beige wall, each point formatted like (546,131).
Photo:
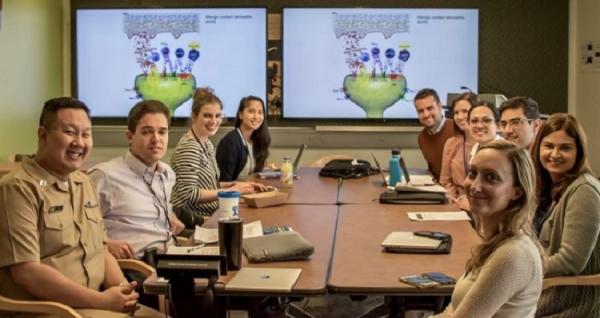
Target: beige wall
(585,86)
(30,69)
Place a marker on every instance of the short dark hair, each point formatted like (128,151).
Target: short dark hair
(146,107)
(527,104)
(53,105)
(489,106)
(426,92)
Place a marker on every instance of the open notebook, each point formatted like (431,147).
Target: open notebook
(264,279)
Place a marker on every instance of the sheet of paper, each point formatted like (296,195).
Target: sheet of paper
(438,216)
(431,188)
(206,235)
(421,180)
(428,188)
(193,250)
(253,229)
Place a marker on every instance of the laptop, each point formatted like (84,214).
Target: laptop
(276,174)
(264,279)
(402,166)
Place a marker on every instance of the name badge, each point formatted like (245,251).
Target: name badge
(55,209)
(90,205)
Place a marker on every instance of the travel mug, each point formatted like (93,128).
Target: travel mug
(229,204)
(230,241)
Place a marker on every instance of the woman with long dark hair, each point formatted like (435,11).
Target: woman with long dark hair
(243,151)
(570,193)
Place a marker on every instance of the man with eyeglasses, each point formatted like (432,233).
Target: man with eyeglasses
(436,129)
(520,120)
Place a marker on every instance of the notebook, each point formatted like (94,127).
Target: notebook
(264,279)
(408,240)
(276,174)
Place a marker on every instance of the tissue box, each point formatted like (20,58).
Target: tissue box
(264,199)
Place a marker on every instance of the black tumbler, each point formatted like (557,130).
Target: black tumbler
(230,241)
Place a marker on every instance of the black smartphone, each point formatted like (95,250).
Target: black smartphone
(419,281)
(440,278)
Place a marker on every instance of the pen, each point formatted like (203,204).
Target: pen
(191,249)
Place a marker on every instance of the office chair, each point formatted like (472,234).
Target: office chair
(582,280)
(56,308)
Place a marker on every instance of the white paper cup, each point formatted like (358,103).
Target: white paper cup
(229,204)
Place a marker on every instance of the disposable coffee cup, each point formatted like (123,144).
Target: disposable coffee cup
(230,242)
(229,204)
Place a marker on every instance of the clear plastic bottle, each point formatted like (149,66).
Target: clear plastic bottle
(287,173)
(395,171)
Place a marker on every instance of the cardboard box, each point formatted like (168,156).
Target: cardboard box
(264,199)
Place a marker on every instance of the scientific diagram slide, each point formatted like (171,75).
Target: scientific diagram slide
(369,63)
(127,55)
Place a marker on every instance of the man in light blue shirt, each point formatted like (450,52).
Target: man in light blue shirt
(134,188)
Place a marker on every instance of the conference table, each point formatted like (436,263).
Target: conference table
(316,223)
(346,224)
(364,190)
(308,187)
(360,266)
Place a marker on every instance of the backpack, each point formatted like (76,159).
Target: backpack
(346,169)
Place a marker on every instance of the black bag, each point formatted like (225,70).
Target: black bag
(408,195)
(345,169)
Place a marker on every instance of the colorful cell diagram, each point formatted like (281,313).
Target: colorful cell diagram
(165,71)
(375,80)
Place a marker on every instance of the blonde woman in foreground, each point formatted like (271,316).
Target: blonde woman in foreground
(504,275)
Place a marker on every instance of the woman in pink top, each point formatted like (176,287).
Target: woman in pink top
(455,160)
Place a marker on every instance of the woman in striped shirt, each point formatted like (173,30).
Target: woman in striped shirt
(194,195)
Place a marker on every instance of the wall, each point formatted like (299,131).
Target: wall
(30,69)
(586,91)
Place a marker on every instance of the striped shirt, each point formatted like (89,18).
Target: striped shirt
(196,168)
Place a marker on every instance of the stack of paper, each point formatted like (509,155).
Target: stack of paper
(409,240)
(207,236)
(193,250)
(438,216)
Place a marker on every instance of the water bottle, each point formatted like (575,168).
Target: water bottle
(395,171)
(287,173)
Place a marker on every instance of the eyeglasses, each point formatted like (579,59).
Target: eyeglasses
(514,122)
(484,121)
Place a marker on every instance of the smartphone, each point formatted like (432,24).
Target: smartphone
(419,281)
(440,278)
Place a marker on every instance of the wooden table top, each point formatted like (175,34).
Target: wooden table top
(316,223)
(309,188)
(359,265)
(362,190)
